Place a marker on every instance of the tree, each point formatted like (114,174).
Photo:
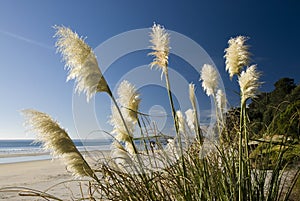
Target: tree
(265,109)
(289,121)
(283,87)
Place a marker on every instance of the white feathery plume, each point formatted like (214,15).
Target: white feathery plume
(129,98)
(221,100)
(119,154)
(186,132)
(119,128)
(192,95)
(236,55)
(221,107)
(171,149)
(57,141)
(190,119)
(193,121)
(249,83)
(160,46)
(81,62)
(129,147)
(209,77)
(181,122)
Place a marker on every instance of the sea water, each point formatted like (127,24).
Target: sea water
(12,151)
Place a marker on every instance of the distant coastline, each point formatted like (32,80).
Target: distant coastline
(24,150)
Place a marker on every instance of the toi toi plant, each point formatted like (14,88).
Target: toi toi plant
(190,166)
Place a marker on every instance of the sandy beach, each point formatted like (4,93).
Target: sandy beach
(42,175)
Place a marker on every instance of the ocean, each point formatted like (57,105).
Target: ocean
(12,151)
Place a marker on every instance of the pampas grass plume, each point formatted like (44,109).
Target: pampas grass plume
(160,46)
(190,119)
(192,114)
(81,62)
(119,154)
(192,94)
(181,122)
(209,77)
(129,98)
(119,128)
(249,83)
(221,100)
(236,55)
(57,141)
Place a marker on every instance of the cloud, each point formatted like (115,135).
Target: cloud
(26,39)
(207,115)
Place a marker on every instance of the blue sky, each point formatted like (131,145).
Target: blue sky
(33,76)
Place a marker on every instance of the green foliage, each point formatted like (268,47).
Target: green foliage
(295,193)
(267,152)
(269,108)
(288,122)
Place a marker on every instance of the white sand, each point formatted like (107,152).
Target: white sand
(38,175)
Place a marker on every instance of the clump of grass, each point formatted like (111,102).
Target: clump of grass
(225,171)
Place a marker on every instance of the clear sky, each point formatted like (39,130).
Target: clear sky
(33,76)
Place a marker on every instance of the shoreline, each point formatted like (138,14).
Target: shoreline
(22,154)
(29,157)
